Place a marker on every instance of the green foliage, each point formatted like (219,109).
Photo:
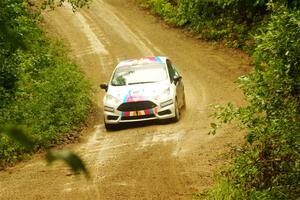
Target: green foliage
(39,87)
(163,8)
(232,22)
(268,166)
(74,3)
(18,134)
(223,20)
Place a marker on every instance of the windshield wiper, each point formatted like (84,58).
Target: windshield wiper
(141,82)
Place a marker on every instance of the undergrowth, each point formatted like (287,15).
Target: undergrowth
(40,88)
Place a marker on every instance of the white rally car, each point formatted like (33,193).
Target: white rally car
(143,89)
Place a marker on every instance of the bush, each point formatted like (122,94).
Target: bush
(268,166)
(229,21)
(39,86)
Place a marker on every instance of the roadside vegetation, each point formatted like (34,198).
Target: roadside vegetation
(42,93)
(267,166)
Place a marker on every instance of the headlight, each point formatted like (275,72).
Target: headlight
(164,95)
(166,103)
(109,109)
(111,100)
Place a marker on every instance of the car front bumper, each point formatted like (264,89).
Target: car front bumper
(160,113)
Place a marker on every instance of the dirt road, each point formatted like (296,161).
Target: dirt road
(152,161)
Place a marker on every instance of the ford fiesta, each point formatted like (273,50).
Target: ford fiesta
(143,89)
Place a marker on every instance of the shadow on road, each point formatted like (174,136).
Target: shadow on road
(130,125)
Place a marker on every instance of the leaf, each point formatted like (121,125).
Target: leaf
(17,133)
(250,138)
(213,125)
(214,128)
(70,158)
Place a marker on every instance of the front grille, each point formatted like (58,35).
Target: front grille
(136,106)
(138,117)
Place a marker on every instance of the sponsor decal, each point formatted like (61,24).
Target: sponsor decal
(141,61)
(133,96)
(140,112)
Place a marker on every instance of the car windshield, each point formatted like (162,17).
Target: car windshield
(139,74)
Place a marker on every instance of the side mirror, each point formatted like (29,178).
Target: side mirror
(104,86)
(176,79)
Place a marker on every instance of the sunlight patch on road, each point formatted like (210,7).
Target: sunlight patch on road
(96,145)
(96,45)
(101,148)
(107,14)
(159,139)
(67,187)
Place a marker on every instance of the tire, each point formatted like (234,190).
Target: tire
(109,127)
(177,112)
(184,102)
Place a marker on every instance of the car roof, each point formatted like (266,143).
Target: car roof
(143,60)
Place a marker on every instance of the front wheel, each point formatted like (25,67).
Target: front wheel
(177,112)
(184,102)
(109,127)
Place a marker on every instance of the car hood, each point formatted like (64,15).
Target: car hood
(138,92)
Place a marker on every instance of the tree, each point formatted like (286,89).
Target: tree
(268,165)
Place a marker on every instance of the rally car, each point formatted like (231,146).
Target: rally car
(143,89)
